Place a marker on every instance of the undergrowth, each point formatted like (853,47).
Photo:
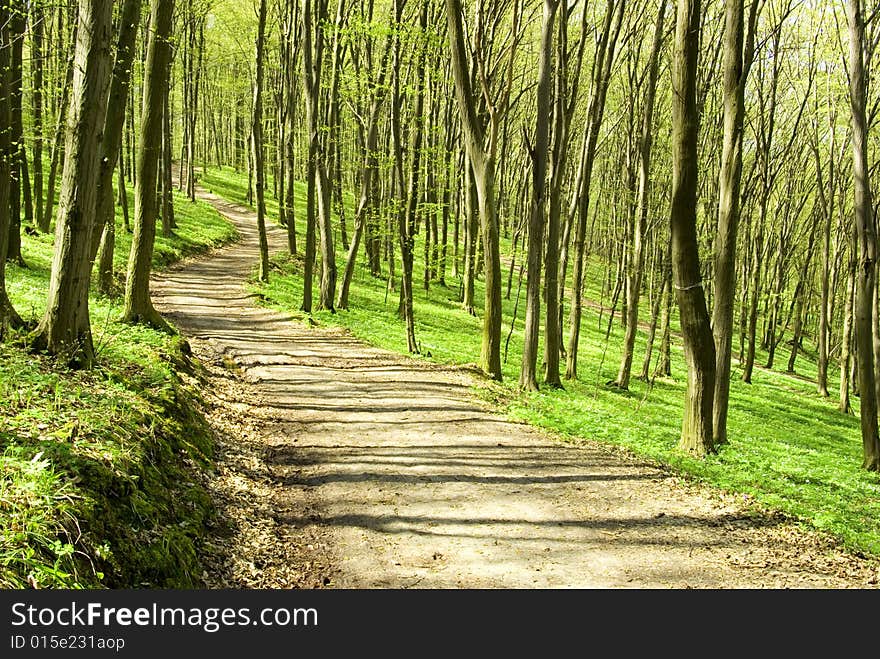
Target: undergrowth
(100,471)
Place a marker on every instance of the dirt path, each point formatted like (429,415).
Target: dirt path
(348,466)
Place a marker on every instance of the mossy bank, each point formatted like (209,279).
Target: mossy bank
(102,472)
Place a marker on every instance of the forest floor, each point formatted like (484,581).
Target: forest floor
(343,465)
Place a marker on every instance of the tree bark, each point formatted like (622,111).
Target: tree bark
(257,147)
(111,141)
(481,143)
(738,51)
(602,69)
(138,305)
(866,239)
(8,316)
(65,329)
(637,258)
(17,21)
(699,346)
(528,378)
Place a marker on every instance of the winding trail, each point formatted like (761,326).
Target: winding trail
(344,465)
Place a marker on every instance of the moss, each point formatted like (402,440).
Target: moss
(102,472)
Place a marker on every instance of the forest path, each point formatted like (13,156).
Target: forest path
(343,465)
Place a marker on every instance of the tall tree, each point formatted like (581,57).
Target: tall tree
(366,207)
(257,146)
(738,56)
(65,329)
(602,69)
(866,237)
(314,18)
(408,193)
(567,74)
(637,256)
(699,346)
(138,305)
(481,143)
(18,166)
(8,315)
(539,153)
(105,228)
(37,33)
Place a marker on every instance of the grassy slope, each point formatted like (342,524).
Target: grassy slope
(790,450)
(96,484)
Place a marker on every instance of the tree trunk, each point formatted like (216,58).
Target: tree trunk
(737,62)
(699,346)
(471,228)
(167,183)
(826,202)
(120,85)
(319,185)
(138,305)
(866,239)
(755,288)
(482,156)
(37,54)
(406,213)
(659,296)
(65,329)
(58,145)
(17,21)
(257,147)
(846,335)
(537,213)
(291,36)
(8,315)
(602,69)
(637,258)
(369,175)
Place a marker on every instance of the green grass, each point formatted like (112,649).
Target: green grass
(789,450)
(98,469)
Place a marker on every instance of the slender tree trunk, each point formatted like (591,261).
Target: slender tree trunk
(482,154)
(17,22)
(659,296)
(291,35)
(602,69)
(319,184)
(406,213)
(167,182)
(824,304)
(755,289)
(257,146)
(471,228)
(664,361)
(37,54)
(111,141)
(737,62)
(8,315)
(138,305)
(369,175)
(637,258)
(846,338)
(528,378)
(58,145)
